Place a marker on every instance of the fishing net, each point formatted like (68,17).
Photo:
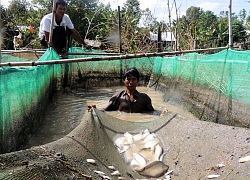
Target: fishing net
(67,157)
(182,139)
(24,93)
(214,87)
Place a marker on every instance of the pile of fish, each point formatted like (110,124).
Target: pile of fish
(143,153)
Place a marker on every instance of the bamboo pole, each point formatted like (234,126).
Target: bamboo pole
(230,35)
(120,29)
(107,58)
(176,29)
(120,40)
(83,53)
(69,53)
(52,22)
(21,51)
(90,53)
(1,35)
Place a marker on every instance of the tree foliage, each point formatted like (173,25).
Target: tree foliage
(94,20)
(203,29)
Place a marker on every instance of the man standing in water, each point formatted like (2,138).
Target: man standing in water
(62,24)
(130,100)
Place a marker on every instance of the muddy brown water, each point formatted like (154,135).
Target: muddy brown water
(65,112)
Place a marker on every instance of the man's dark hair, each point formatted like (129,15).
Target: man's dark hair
(132,71)
(61,2)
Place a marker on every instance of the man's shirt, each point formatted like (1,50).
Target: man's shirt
(121,101)
(46,23)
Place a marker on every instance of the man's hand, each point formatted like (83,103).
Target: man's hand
(164,111)
(91,106)
(86,46)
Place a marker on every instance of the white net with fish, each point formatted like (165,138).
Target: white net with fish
(138,143)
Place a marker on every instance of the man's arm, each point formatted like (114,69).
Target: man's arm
(47,34)
(78,37)
(46,37)
(111,104)
(114,102)
(148,106)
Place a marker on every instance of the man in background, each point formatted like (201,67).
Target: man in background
(62,29)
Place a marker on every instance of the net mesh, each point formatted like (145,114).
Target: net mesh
(66,157)
(226,72)
(215,87)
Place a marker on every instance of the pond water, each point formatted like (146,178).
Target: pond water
(65,112)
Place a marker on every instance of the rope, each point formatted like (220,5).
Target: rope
(156,81)
(119,132)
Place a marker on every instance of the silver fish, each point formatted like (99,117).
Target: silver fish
(154,170)
(99,172)
(121,178)
(106,177)
(111,167)
(212,176)
(91,161)
(141,135)
(151,144)
(158,152)
(142,162)
(135,166)
(149,137)
(115,173)
(148,155)
(244,159)
(129,137)
(128,155)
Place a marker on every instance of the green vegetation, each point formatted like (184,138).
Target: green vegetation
(96,21)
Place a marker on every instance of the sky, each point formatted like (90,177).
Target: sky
(159,8)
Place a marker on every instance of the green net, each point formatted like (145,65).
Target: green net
(24,92)
(226,72)
(108,66)
(215,87)
(10,58)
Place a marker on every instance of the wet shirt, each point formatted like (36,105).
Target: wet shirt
(120,101)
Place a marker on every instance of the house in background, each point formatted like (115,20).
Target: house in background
(167,39)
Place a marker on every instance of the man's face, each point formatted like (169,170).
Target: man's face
(131,82)
(61,10)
